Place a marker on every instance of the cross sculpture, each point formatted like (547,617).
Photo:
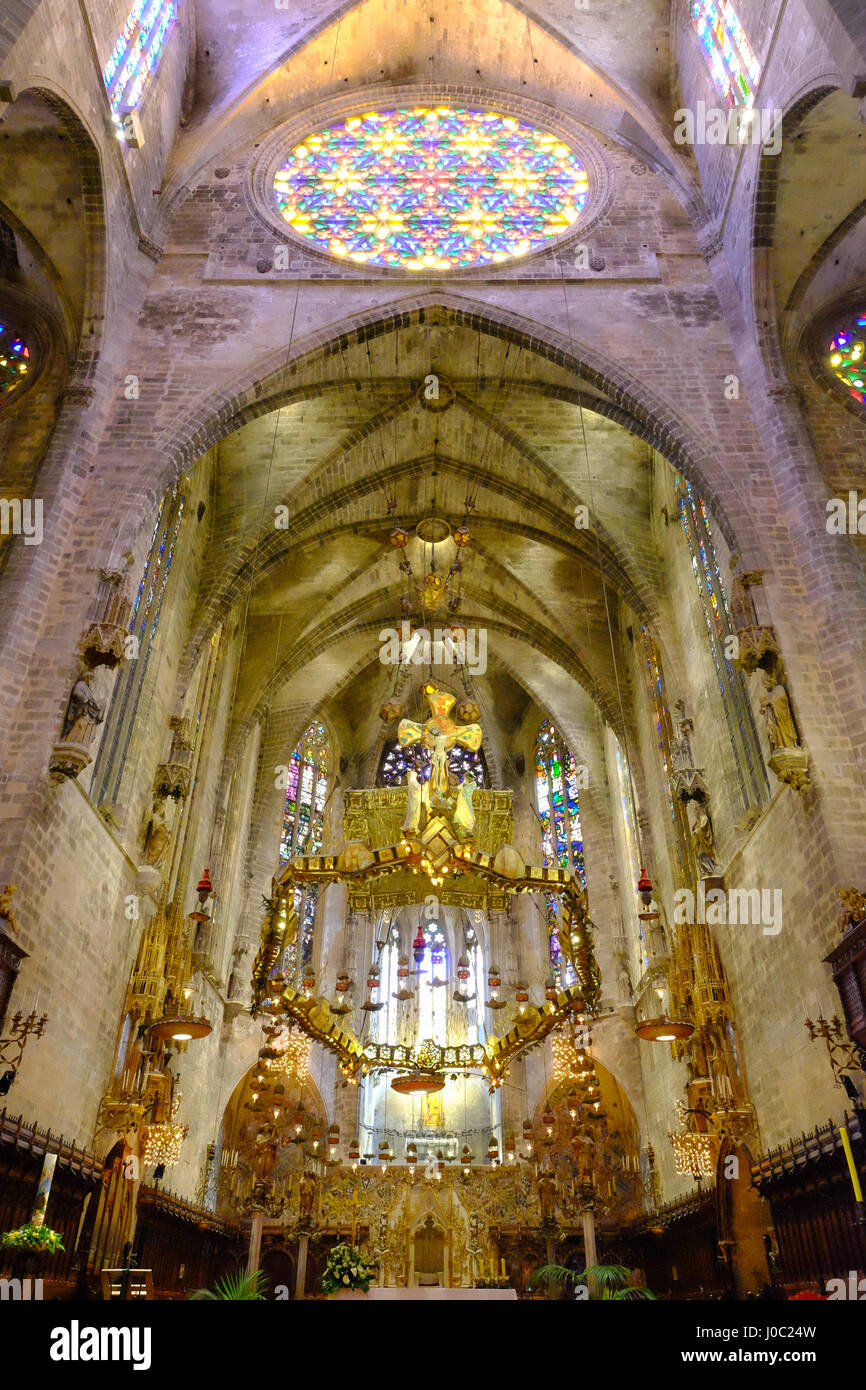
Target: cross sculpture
(440,734)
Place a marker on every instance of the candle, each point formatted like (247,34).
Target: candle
(502,1268)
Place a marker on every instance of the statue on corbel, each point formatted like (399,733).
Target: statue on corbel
(758,650)
(84,713)
(689,787)
(105,643)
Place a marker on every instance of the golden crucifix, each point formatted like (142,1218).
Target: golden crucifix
(440,734)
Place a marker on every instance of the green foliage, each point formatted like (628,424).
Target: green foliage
(31,1237)
(347,1269)
(605,1282)
(246,1287)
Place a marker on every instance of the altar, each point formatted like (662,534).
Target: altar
(433,1293)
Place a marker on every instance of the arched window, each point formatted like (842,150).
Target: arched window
(137,53)
(303,820)
(847,354)
(14,362)
(146,612)
(664,734)
(556,787)
(395,763)
(748,759)
(433,985)
(735,70)
(306,793)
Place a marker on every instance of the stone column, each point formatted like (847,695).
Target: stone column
(255,1251)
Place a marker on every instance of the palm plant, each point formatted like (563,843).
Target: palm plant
(604,1282)
(247,1287)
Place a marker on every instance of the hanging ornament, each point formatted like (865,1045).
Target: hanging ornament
(521,995)
(494,983)
(205,887)
(419,946)
(493,1150)
(399,538)
(572,1102)
(344,1004)
(466,1160)
(370,1005)
(463,974)
(333,1141)
(391,710)
(462,536)
(510,1148)
(385,1154)
(354,1154)
(278,1099)
(411,1155)
(298,1119)
(468,711)
(402,992)
(528,1138)
(550,990)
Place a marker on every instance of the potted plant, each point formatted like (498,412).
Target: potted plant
(40,1239)
(602,1282)
(246,1287)
(347,1271)
(27,1244)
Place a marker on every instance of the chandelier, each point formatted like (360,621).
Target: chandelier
(162,1141)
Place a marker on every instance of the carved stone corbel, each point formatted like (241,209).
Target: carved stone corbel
(174,776)
(106,642)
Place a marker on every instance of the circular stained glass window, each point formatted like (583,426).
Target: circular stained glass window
(431,188)
(848,357)
(14,362)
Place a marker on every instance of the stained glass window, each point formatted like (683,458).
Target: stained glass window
(847,353)
(664,733)
(432,986)
(735,70)
(556,787)
(136,54)
(306,793)
(745,742)
(146,612)
(14,362)
(396,762)
(629,823)
(431,189)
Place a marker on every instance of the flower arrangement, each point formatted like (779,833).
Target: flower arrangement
(347,1269)
(32,1237)
(496,1281)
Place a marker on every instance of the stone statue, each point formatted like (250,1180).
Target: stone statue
(464,816)
(265,1153)
(681,748)
(743,612)
(703,839)
(779,721)
(417,796)
(156,837)
(307,1192)
(83,712)
(6,908)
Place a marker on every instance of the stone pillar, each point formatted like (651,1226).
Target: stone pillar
(255,1250)
(49,1163)
(301,1275)
(587,1220)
